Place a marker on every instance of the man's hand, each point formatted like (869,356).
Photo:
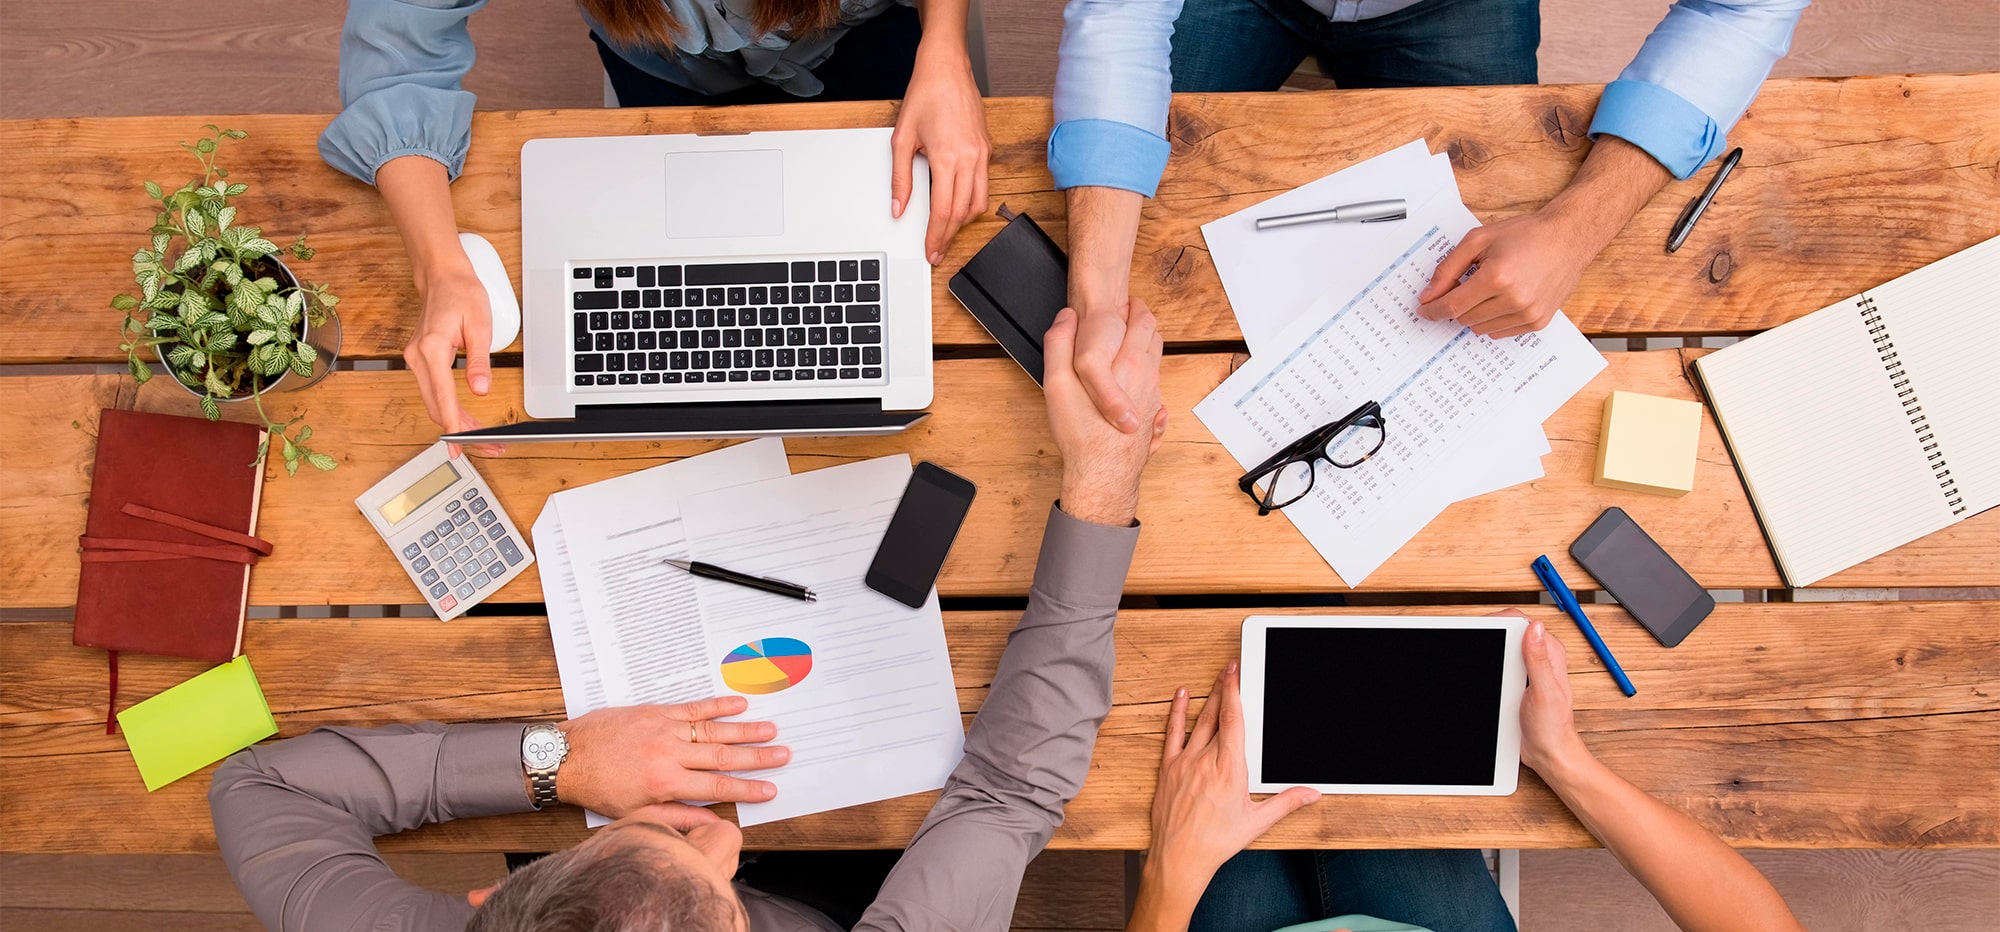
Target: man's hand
(627,758)
(1102,464)
(1103,223)
(944,118)
(1523,269)
(456,316)
(1526,269)
(1202,811)
(1548,726)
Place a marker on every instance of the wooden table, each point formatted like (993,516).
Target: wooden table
(1777,725)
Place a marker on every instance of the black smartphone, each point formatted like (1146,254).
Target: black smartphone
(913,549)
(1626,561)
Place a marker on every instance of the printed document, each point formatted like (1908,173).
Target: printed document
(859,685)
(1450,398)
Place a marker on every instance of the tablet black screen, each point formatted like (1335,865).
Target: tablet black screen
(1382,705)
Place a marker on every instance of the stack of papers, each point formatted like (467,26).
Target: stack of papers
(1330,314)
(860,686)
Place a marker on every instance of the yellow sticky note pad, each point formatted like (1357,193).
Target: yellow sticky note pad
(1648,444)
(197,723)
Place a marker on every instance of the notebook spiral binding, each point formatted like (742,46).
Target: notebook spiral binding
(1899,379)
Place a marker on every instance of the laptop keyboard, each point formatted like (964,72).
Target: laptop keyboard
(730,323)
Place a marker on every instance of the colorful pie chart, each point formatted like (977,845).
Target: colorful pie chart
(767,666)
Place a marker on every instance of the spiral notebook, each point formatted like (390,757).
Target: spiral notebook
(1871,423)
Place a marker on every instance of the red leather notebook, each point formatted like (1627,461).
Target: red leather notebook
(168,544)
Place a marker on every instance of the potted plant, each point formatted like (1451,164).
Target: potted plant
(220,309)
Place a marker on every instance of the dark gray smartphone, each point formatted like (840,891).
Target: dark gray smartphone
(920,535)
(1626,561)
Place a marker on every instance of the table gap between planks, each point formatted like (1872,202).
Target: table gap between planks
(1777,725)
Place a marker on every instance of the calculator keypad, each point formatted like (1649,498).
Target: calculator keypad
(454,561)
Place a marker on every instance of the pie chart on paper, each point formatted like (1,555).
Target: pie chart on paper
(766,666)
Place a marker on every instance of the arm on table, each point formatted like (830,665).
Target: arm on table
(405,126)
(944,117)
(296,820)
(1667,115)
(1703,884)
(1108,151)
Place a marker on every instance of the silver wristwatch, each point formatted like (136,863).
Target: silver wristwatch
(543,750)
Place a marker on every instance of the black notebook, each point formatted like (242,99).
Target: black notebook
(1868,424)
(1014,286)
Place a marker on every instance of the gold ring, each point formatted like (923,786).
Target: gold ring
(691,735)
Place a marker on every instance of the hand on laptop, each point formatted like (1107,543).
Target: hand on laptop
(1202,810)
(1102,464)
(627,758)
(944,118)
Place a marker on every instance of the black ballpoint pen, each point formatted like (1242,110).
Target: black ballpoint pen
(778,586)
(1693,211)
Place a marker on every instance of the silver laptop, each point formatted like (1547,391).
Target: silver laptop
(720,286)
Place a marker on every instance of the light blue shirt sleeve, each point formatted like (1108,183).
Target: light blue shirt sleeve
(1694,77)
(401,62)
(1112,90)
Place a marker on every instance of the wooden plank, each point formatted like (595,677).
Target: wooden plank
(1836,194)
(1849,725)
(988,424)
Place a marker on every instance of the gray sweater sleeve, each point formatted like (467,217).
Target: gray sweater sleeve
(297,819)
(1029,747)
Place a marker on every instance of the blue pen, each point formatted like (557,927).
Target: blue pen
(1546,572)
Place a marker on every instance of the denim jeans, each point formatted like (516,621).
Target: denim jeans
(1444,891)
(1253,45)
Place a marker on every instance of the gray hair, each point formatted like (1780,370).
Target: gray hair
(619,888)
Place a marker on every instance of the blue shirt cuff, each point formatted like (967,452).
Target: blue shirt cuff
(1673,131)
(1108,154)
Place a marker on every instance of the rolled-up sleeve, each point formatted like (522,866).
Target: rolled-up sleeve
(401,62)
(1113,86)
(1694,78)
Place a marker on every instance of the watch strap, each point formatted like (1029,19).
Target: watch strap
(542,783)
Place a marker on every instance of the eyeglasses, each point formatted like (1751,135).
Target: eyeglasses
(1288,475)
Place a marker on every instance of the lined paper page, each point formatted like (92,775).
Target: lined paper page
(1945,322)
(1836,472)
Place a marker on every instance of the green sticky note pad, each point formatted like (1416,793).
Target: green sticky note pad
(197,723)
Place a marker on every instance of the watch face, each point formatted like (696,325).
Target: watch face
(542,748)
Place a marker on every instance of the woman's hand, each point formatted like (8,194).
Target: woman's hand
(627,758)
(944,118)
(1202,812)
(1548,726)
(456,317)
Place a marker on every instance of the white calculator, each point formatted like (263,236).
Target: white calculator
(447,529)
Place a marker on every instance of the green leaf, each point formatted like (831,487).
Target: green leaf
(234,189)
(197,225)
(257,246)
(204,146)
(235,134)
(188,260)
(140,371)
(301,365)
(305,434)
(269,359)
(223,339)
(305,351)
(210,409)
(153,190)
(294,304)
(124,302)
(192,303)
(224,217)
(261,337)
(181,355)
(321,461)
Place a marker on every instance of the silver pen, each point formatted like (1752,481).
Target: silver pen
(1364,212)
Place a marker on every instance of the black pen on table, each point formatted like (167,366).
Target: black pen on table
(1695,208)
(777,586)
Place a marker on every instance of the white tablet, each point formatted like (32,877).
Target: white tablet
(1383,704)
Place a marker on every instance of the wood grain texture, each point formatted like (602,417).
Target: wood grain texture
(1830,890)
(1841,190)
(101,58)
(987,424)
(1852,725)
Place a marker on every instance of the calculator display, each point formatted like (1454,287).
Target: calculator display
(423,490)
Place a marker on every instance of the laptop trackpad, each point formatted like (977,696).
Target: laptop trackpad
(730,193)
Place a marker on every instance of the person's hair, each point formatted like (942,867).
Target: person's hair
(619,888)
(649,24)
